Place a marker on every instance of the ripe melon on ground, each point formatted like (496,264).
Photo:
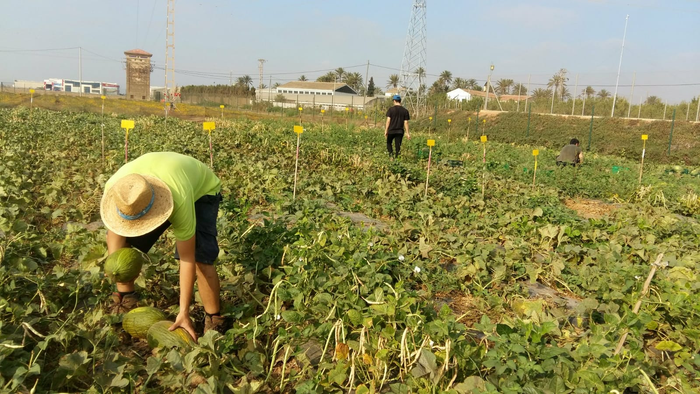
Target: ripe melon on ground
(139,320)
(124,265)
(159,336)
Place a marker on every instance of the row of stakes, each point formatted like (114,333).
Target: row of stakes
(128,125)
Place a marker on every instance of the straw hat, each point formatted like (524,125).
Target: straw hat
(136,205)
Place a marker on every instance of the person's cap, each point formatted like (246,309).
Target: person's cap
(396,97)
(136,205)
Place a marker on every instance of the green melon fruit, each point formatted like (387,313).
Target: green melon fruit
(124,265)
(139,320)
(159,336)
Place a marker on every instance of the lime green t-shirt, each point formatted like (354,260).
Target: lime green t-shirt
(188,180)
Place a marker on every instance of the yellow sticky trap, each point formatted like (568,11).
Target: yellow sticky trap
(535,152)
(645,137)
(323,110)
(103,97)
(127,124)
(430,118)
(449,120)
(365,116)
(31,91)
(470,119)
(208,126)
(483,138)
(484,121)
(347,109)
(431,142)
(298,129)
(301,109)
(221,106)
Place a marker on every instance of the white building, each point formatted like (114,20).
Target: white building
(459,95)
(89,87)
(20,84)
(391,92)
(467,94)
(316,94)
(316,88)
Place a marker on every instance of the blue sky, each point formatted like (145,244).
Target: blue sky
(521,38)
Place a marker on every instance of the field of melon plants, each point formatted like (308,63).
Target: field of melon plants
(363,283)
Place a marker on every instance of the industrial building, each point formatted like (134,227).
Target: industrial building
(74,85)
(316,94)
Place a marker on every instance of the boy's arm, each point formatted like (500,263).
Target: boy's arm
(187,277)
(405,127)
(386,128)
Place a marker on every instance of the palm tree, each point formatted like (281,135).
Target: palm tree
(520,89)
(472,84)
(303,78)
(276,85)
(603,94)
(558,82)
(651,100)
(446,78)
(420,71)
(340,73)
(588,91)
(459,83)
(393,81)
(503,86)
(540,93)
(245,80)
(327,77)
(354,80)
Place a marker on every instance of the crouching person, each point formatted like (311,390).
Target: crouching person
(147,196)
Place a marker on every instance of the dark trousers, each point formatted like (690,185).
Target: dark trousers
(206,245)
(396,138)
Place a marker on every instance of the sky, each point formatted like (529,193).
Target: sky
(218,38)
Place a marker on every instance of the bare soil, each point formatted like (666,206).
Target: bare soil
(591,209)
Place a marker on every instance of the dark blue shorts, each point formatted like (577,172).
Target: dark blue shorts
(206,245)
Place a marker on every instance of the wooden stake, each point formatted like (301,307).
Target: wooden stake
(645,290)
(431,143)
(535,153)
(209,126)
(298,130)
(469,125)
(483,181)
(644,151)
(127,125)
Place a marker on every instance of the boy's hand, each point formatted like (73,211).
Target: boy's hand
(183,320)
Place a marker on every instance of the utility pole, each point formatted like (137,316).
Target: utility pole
(697,114)
(527,94)
(619,68)
(554,94)
(364,99)
(170,53)
(80,69)
(574,96)
(488,84)
(639,113)
(260,69)
(634,78)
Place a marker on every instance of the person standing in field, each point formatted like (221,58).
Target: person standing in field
(397,118)
(571,154)
(145,197)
